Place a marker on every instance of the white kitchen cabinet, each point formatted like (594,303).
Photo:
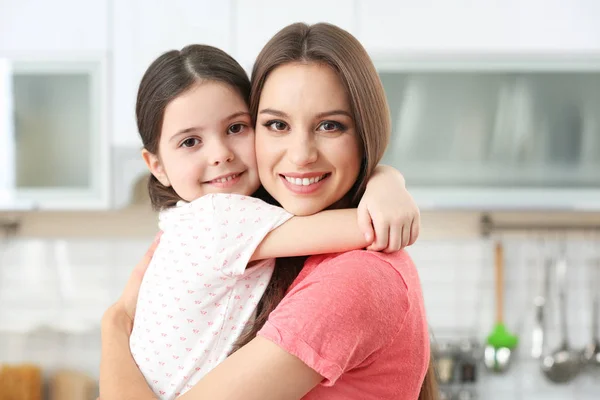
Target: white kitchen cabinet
(143,31)
(468,26)
(56,121)
(503,133)
(257,21)
(39,26)
(7,176)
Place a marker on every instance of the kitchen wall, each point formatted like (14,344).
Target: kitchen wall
(67,283)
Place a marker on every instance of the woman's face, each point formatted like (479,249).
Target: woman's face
(307,149)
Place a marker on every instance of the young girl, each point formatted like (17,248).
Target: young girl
(200,291)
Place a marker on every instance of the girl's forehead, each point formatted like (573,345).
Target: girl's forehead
(203,106)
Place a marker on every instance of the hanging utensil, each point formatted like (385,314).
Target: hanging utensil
(563,364)
(537,335)
(591,353)
(501,342)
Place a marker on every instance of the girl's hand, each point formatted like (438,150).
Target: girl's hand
(387,213)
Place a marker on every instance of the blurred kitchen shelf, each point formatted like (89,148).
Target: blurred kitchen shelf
(498,175)
(496,132)
(498,199)
(15,205)
(445,186)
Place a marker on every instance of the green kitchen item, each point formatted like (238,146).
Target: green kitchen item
(500,342)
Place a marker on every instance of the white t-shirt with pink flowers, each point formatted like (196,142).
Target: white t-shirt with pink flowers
(198,294)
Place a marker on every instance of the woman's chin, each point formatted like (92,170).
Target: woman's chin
(304,207)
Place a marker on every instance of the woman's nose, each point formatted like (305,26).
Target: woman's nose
(303,150)
(220,153)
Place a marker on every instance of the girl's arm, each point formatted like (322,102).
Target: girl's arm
(387,219)
(328,231)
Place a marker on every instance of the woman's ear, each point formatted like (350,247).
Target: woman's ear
(156,168)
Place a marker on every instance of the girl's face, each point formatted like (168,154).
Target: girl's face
(206,144)
(307,149)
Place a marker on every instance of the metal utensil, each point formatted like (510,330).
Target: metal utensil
(591,353)
(563,364)
(537,335)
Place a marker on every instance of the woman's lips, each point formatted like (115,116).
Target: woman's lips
(304,185)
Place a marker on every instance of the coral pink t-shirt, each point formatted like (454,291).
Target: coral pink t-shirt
(358,319)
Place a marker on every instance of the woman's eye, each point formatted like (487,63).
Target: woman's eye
(276,125)
(330,126)
(190,142)
(236,128)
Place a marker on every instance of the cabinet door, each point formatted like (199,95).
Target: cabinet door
(35,26)
(257,21)
(142,32)
(59,138)
(6,134)
(478,26)
(497,139)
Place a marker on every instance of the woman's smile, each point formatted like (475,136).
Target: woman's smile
(307,183)
(308,152)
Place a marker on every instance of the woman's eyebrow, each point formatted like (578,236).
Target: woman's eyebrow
(334,112)
(319,115)
(274,112)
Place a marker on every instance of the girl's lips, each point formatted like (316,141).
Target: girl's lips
(301,189)
(224,184)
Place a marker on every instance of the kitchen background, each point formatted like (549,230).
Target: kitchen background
(496,116)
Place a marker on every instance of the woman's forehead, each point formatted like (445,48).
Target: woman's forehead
(304,86)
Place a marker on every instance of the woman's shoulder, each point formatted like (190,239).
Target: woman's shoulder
(369,267)
(397,259)
(389,281)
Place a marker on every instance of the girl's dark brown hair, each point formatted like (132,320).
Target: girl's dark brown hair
(170,75)
(338,49)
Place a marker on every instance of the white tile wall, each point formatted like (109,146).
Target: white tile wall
(68,284)
(458,285)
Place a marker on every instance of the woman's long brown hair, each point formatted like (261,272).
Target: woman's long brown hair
(329,45)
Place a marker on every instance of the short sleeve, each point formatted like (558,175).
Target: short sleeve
(340,314)
(187,216)
(241,223)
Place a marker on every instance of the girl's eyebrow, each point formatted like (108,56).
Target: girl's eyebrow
(194,129)
(198,129)
(237,114)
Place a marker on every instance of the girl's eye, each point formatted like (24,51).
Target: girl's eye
(331,126)
(236,128)
(190,142)
(276,125)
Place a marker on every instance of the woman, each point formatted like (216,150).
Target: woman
(351,325)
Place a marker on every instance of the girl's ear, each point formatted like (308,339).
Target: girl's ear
(156,168)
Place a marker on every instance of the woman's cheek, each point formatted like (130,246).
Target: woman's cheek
(262,147)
